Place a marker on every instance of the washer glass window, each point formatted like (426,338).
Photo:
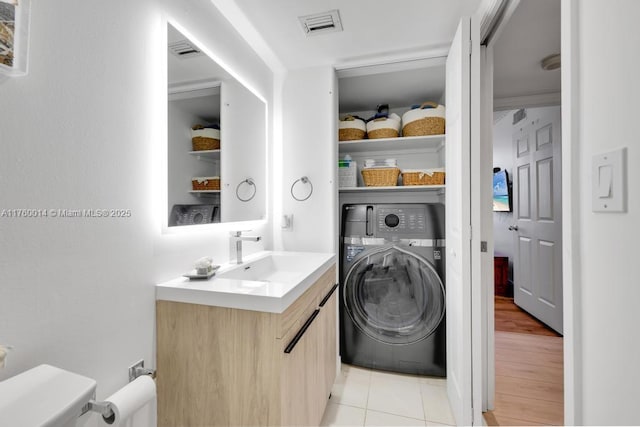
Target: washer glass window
(394,296)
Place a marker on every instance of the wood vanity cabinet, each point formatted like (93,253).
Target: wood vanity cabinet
(220,366)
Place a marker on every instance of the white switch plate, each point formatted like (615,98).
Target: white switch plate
(287,222)
(609,181)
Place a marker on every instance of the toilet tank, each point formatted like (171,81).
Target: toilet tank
(44,396)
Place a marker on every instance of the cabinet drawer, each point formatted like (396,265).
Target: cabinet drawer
(295,316)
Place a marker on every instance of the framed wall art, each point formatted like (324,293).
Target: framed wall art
(14,37)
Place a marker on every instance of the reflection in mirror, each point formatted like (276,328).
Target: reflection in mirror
(216,141)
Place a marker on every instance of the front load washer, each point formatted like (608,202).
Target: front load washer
(392,305)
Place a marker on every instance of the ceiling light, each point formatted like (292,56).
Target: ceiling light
(324,22)
(551,62)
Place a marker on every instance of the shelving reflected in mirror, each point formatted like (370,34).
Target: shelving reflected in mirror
(216,140)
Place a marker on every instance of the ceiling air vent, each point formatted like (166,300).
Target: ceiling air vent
(184,49)
(318,23)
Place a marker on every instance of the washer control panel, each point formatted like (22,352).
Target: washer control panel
(401,220)
(392,221)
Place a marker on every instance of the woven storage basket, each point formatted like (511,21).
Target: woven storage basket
(384,127)
(424,121)
(205,138)
(206,183)
(425,177)
(380,177)
(351,129)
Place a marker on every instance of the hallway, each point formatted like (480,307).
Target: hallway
(529,370)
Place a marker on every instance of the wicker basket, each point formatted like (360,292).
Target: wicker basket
(206,183)
(425,177)
(351,129)
(384,127)
(205,138)
(351,134)
(201,143)
(383,133)
(421,122)
(380,177)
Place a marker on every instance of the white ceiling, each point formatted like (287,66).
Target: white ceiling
(371,28)
(191,69)
(186,74)
(374,30)
(532,33)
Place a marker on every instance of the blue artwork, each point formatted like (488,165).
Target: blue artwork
(501,201)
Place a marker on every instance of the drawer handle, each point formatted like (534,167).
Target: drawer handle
(301,332)
(326,298)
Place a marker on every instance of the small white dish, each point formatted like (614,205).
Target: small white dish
(193,274)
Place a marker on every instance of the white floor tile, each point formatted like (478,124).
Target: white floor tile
(342,415)
(351,388)
(375,418)
(395,376)
(386,398)
(442,382)
(436,404)
(395,396)
(347,370)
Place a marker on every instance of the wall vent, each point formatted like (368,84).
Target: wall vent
(184,49)
(519,115)
(319,23)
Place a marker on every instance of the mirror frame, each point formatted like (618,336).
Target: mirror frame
(161,155)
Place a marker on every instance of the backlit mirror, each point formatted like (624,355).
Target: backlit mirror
(216,141)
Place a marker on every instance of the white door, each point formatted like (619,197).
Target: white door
(458,225)
(537,212)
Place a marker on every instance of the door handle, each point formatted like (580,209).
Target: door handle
(301,332)
(513,228)
(369,225)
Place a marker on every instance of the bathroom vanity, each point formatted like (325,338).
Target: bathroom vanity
(255,345)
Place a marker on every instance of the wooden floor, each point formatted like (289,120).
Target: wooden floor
(511,318)
(529,370)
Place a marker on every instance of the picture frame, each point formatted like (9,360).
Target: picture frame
(14,37)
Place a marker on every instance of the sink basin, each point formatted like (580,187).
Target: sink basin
(275,267)
(267,281)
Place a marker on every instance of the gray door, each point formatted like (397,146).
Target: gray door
(537,211)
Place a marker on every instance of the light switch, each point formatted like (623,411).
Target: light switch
(604,181)
(608,186)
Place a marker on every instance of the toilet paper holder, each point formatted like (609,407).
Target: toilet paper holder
(138,369)
(104,408)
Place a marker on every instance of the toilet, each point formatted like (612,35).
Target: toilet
(44,396)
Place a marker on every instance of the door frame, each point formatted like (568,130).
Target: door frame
(481,302)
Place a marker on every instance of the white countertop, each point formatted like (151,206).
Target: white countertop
(273,296)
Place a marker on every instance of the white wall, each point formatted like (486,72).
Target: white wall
(84,130)
(309,120)
(503,158)
(608,292)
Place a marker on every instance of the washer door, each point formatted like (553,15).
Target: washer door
(394,296)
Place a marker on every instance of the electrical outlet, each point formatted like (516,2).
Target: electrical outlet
(287,222)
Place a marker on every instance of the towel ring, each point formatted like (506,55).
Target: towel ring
(248,181)
(304,180)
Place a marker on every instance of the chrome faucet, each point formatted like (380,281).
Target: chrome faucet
(237,237)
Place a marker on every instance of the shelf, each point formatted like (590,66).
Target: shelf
(431,142)
(411,188)
(201,193)
(206,154)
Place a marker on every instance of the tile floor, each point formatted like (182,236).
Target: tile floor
(363,397)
